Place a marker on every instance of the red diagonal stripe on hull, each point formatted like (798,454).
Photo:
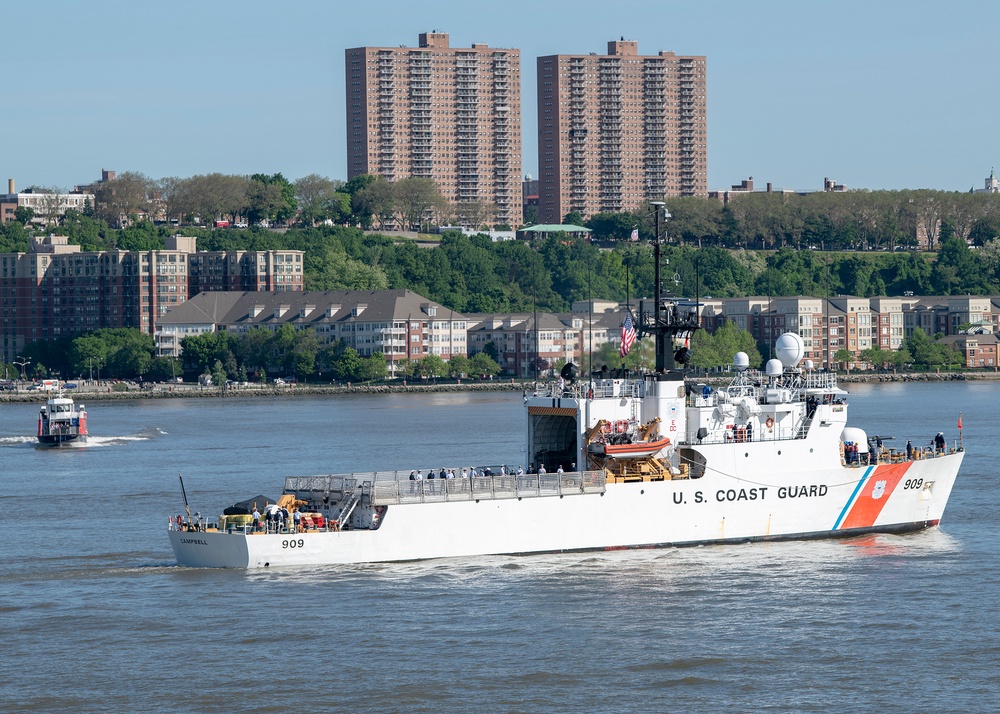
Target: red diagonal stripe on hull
(867,508)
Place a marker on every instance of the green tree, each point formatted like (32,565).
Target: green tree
(958,270)
(208,197)
(432,366)
(458,366)
(164,369)
(263,200)
(359,182)
(928,353)
(376,200)
(315,195)
(901,358)
(415,198)
(374,368)
(304,349)
(482,363)
(613,226)
(24,214)
(201,352)
(348,365)
(89,354)
(490,350)
(844,356)
(252,349)
(124,353)
(271,197)
(719,349)
(218,374)
(406,368)
(121,200)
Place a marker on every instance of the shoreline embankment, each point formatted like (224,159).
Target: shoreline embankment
(191,391)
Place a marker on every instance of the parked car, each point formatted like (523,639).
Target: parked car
(35,387)
(69,385)
(279,380)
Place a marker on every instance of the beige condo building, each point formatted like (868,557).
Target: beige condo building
(445,113)
(617,130)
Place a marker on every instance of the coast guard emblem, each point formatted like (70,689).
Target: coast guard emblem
(878,490)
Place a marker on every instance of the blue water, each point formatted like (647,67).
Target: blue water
(94,616)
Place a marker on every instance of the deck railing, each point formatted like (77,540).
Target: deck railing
(390,492)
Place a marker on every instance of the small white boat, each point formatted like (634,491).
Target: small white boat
(61,421)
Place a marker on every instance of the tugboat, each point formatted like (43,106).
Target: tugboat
(60,421)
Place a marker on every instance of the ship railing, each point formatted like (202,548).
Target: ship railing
(391,492)
(739,435)
(592,388)
(331,483)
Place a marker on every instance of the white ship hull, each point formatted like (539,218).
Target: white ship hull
(717,508)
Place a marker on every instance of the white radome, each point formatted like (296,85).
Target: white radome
(790,349)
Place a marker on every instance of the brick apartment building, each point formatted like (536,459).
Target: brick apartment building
(449,114)
(855,324)
(617,130)
(55,290)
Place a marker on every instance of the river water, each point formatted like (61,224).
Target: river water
(94,615)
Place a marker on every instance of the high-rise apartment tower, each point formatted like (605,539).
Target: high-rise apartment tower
(618,130)
(449,114)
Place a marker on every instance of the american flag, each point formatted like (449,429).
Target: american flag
(628,335)
(635,234)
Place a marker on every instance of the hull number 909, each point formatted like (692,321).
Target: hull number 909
(293,543)
(913,483)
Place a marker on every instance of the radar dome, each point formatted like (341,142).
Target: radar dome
(773,368)
(741,362)
(790,349)
(809,365)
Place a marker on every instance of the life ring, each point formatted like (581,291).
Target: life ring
(606,428)
(769,423)
(621,426)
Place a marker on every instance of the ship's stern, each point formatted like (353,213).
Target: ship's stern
(210,549)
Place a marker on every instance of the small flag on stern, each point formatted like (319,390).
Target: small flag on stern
(960,420)
(628,335)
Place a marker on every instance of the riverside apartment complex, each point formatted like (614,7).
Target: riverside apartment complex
(617,130)
(55,290)
(444,113)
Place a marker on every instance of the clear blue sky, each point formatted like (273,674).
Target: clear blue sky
(872,94)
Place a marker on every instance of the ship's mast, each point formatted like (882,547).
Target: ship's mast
(668,320)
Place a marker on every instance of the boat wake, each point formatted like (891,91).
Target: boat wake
(17,440)
(92,440)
